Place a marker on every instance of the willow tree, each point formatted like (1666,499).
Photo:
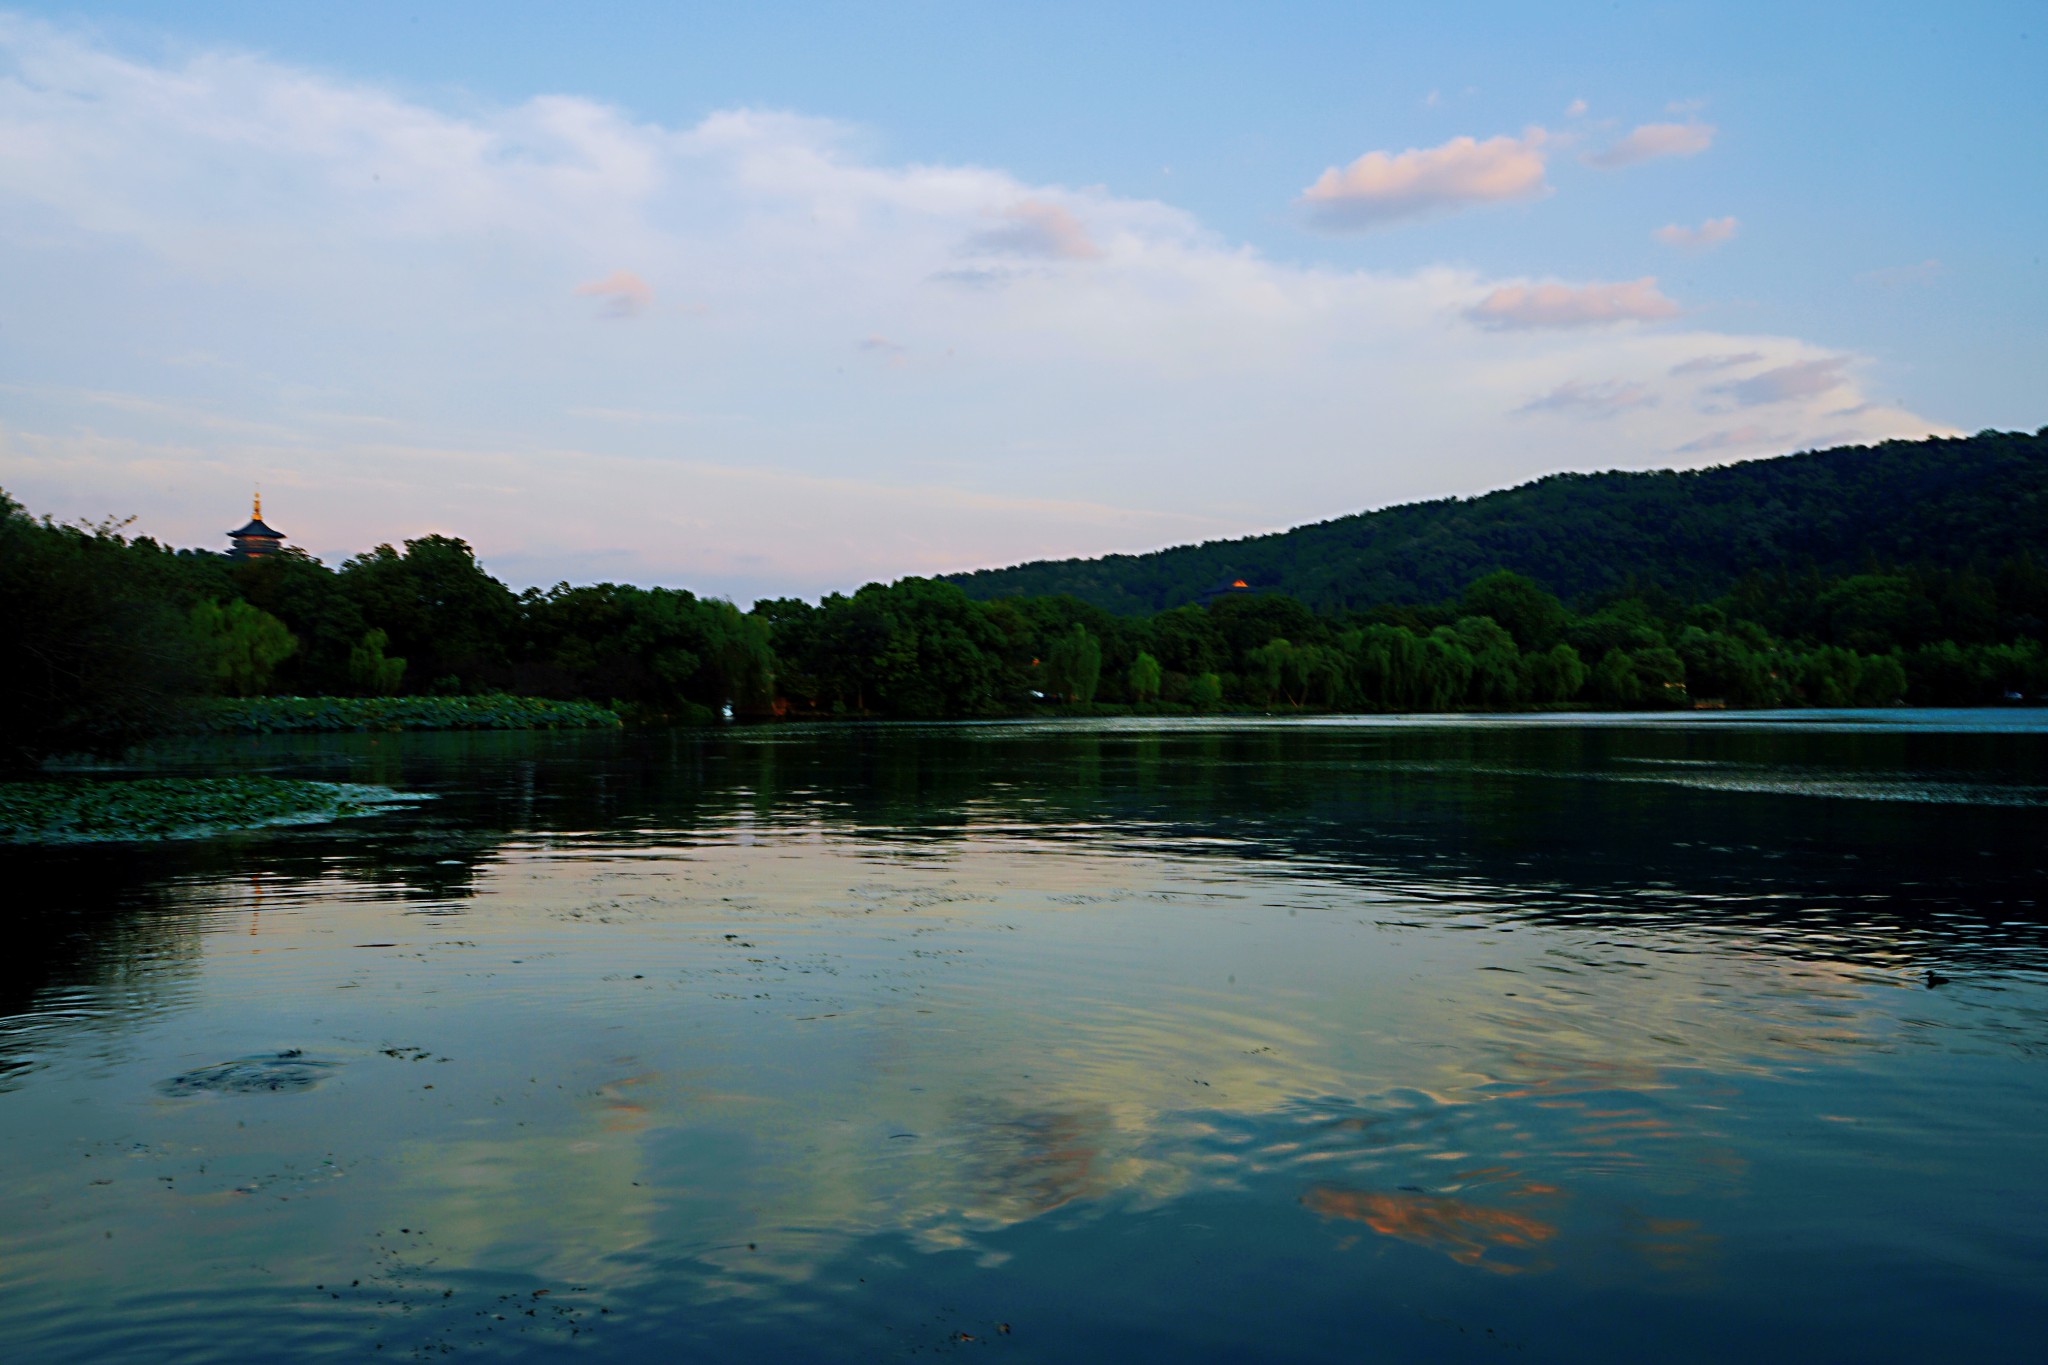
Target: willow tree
(241,645)
(1073,666)
(1145,678)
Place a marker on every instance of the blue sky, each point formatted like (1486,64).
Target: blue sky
(783,298)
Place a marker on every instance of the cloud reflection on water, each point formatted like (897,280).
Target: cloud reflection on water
(689,1064)
(1496,1239)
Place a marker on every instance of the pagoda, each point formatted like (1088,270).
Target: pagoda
(256,539)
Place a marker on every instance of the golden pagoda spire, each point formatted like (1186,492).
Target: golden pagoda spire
(258,513)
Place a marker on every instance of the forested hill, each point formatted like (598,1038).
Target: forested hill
(1950,502)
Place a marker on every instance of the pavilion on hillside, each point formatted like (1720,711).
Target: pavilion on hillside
(1231,587)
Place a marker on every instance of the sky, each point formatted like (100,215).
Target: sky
(780,299)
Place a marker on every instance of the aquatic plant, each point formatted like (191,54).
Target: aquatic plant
(497,711)
(152,808)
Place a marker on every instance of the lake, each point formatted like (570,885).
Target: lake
(1530,1038)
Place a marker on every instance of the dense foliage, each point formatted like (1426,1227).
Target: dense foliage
(95,653)
(1946,502)
(105,640)
(1933,636)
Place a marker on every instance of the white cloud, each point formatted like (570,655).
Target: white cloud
(1710,233)
(625,294)
(1572,305)
(1576,109)
(1380,188)
(1653,140)
(385,292)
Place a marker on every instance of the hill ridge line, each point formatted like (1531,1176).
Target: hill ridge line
(1942,500)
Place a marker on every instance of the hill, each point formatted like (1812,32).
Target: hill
(1942,501)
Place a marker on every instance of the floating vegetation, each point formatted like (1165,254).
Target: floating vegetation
(496,711)
(281,1071)
(152,808)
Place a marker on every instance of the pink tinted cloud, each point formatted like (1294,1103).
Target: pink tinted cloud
(1734,438)
(1653,140)
(1516,306)
(1802,379)
(1711,233)
(1601,399)
(1707,364)
(625,294)
(1037,227)
(1381,188)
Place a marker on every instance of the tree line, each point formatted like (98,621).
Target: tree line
(106,636)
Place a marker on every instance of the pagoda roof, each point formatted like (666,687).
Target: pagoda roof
(256,527)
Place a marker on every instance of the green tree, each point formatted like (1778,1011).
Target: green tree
(1390,668)
(1243,623)
(440,608)
(1073,666)
(1447,672)
(1661,675)
(1557,674)
(1625,625)
(1317,672)
(1727,666)
(1828,676)
(1267,669)
(746,661)
(917,647)
(370,673)
(1144,678)
(1205,693)
(95,653)
(792,629)
(1883,682)
(1185,640)
(1535,618)
(1496,678)
(1870,613)
(314,605)
(241,645)
(1299,674)
(1614,681)
(665,653)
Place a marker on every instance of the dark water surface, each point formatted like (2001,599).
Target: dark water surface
(1559,1039)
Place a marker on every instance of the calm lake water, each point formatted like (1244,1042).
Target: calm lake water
(1536,1039)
